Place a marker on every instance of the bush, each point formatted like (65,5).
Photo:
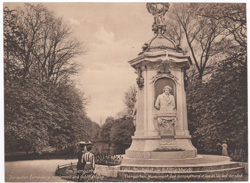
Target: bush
(217,108)
(106,159)
(239,155)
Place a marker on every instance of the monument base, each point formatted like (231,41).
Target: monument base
(159,158)
(156,147)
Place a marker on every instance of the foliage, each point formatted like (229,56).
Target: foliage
(26,118)
(207,31)
(122,130)
(239,155)
(196,34)
(39,44)
(42,105)
(95,132)
(217,109)
(106,129)
(106,159)
(36,117)
(232,17)
(129,101)
(117,134)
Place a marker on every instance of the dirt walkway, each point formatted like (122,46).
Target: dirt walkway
(34,170)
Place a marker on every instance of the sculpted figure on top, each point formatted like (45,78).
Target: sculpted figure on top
(158,10)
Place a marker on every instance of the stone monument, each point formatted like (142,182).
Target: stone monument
(161,116)
(161,147)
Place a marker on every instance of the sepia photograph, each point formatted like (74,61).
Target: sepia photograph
(125,91)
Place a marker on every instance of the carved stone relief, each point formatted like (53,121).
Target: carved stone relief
(164,67)
(165,125)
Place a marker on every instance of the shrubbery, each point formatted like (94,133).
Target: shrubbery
(42,105)
(116,136)
(217,109)
(239,155)
(107,159)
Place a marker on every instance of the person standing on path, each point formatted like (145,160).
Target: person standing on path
(224,148)
(88,159)
(81,164)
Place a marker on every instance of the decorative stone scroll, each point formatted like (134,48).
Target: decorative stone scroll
(165,125)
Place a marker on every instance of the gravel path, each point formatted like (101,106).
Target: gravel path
(34,170)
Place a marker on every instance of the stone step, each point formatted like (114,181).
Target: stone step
(175,168)
(218,174)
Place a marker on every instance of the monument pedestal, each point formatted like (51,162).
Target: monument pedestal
(156,147)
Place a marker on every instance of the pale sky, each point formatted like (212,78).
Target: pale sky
(112,34)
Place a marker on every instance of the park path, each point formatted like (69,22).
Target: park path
(34,170)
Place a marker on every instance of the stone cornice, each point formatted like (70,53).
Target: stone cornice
(152,57)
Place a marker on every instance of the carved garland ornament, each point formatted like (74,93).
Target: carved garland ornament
(140,79)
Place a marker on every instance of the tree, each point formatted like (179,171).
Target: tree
(232,17)
(121,134)
(26,117)
(129,101)
(68,120)
(201,34)
(217,108)
(42,105)
(106,127)
(11,35)
(123,128)
(41,45)
(95,132)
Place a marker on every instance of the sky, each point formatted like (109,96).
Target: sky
(112,34)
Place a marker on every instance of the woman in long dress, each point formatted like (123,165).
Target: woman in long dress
(224,149)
